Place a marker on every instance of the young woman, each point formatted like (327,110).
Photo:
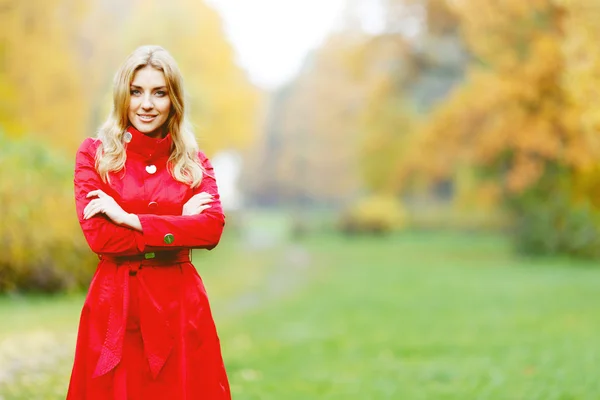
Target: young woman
(145,196)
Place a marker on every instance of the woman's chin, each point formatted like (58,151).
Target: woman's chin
(153,130)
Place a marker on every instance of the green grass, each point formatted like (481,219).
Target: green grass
(413,316)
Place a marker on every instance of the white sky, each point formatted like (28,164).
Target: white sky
(272,37)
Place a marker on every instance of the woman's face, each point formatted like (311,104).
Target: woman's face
(149,104)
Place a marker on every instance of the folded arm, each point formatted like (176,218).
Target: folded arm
(135,234)
(102,235)
(201,230)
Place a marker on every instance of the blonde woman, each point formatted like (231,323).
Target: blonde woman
(145,195)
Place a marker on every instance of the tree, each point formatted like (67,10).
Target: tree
(310,143)
(39,73)
(522,124)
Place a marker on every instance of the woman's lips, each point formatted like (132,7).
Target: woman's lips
(146,118)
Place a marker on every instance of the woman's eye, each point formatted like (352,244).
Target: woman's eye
(161,93)
(134,92)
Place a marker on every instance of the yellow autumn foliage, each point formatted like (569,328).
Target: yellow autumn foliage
(522,129)
(511,114)
(378,214)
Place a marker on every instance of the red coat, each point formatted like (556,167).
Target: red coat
(146,329)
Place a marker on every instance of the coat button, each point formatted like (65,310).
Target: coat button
(150,169)
(169,238)
(152,205)
(127,137)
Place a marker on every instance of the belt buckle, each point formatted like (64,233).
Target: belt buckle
(149,256)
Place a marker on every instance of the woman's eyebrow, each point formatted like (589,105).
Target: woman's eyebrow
(156,88)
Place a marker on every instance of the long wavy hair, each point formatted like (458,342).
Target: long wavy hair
(183,163)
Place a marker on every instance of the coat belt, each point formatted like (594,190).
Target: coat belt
(157,335)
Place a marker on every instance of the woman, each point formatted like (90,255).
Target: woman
(145,196)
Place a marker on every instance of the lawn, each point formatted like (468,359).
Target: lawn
(411,316)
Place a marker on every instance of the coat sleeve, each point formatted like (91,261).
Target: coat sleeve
(188,231)
(103,235)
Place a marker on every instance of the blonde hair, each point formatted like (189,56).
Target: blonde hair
(183,162)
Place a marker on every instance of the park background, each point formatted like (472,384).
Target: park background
(412,214)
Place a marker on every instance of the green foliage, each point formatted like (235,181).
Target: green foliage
(42,245)
(549,221)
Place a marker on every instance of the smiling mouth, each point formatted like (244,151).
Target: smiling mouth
(146,118)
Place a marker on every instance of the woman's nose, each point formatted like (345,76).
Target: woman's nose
(147,103)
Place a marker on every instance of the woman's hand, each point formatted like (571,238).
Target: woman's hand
(104,204)
(197,203)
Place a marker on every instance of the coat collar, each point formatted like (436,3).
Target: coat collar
(148,146)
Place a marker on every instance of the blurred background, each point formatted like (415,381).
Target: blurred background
(412,189)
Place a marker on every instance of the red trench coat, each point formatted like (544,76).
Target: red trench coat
(146,329)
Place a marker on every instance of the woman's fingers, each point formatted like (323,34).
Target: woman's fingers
(202,195)
(88,208)
(204,201)
(94,207)
(198,200)
(198,196)
(202,198)
(196,210)
(91,213)
(103,204)
(96,192)
(202,208)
